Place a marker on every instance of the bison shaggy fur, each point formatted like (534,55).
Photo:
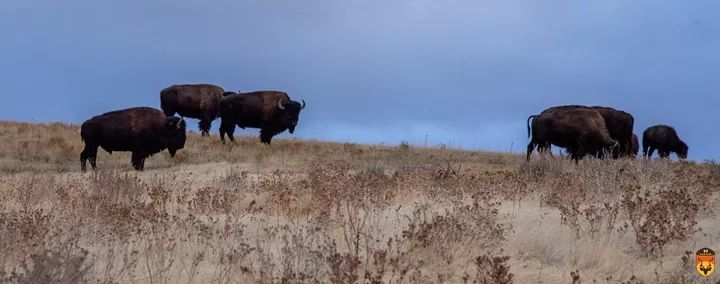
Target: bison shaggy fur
(271,111)
(619,125)
(581,131)
(143,131)
(200,101)
(664,139)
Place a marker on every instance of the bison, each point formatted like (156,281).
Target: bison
(201,101)
(271,111)
(634,146)
(144,131)
(581,131)
(620,127)
(665,140)
(618,123)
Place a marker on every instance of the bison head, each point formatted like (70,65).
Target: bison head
(290,112)
(175,131)
(682,150)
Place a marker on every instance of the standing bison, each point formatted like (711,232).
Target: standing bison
(581,131)
(201,101)
(271,111)
(619,125)
(665,140)
(144,131)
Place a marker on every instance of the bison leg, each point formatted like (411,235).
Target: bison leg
(578,152)
(650,152)
(204,126)
(665,154)
(545,149)
(530,148)
(138,160)
(89,153)
(92,161)
(266,136)
(627,151)
(228,128)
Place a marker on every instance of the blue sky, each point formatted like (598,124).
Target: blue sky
(466,73)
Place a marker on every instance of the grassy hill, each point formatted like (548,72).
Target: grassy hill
(309,211)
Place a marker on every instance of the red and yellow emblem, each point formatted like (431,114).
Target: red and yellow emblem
(705,262)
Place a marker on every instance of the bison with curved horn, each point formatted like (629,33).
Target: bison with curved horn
(200,101)
(665,139)
(143,131)
(581,131)
(271,111)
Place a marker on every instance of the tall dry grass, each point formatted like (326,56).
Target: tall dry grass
(306,211)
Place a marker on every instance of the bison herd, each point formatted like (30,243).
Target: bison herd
(144,131)
(598,131)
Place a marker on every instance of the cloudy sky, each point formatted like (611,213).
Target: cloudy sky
(465,73)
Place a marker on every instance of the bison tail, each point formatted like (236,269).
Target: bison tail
(529,130)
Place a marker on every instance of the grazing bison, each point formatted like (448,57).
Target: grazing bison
(618,123)
(271,111)
(665,140)
(620,127)
(580,130)
(201,101)
(144,131)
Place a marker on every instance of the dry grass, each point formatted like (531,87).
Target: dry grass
(306,211)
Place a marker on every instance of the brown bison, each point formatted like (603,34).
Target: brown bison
(201,101)
(271,111)
(665,140)
(144,131)
(634,146)
(581,131)
(618,123)
(620,127)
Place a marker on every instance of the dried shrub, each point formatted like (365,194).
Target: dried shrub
(541,169)
(491,269)
(658,219)
(61,262)
(118,187)
(22,233)
(214,200)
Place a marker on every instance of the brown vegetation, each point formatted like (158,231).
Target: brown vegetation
(307,211)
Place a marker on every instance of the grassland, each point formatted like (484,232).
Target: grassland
(308,211)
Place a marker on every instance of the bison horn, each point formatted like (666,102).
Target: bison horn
(280,104)
(303,106)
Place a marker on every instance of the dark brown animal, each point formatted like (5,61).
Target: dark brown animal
(200,101)
(143,131)
(620,127)
(618,123)
(271,111)
(665,140)
(581,131)
(634,146)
